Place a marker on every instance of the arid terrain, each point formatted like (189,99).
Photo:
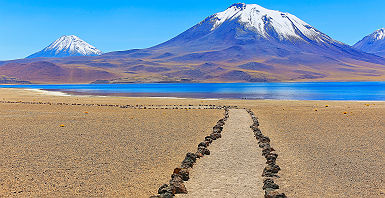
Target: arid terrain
(327,153)
(326,149)
(62,151)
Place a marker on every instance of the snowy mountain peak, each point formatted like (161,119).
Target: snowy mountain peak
(379,34)
(70,45)
(268,23)
(373,43)
(250,32)
(238,5)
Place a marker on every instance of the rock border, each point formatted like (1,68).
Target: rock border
(271,170)
(182,173)
(137,106)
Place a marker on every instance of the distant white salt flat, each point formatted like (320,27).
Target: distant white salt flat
(50,93)
(184,98)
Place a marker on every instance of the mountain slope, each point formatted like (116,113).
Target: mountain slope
(260,45)
(47,72)
(244,43)
(373,43)
(247,31)
(67,46)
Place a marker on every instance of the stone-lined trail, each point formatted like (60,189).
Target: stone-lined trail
(235,165)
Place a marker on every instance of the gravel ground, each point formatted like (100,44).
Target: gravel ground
(235,165)
(110,152)
(324,152)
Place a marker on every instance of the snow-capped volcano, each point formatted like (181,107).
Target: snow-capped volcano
(68,46)
(267,23)
(249,31)
(250,23)
(373,43)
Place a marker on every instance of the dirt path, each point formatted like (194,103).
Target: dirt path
(235,165)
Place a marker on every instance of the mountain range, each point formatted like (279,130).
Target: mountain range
(244,43)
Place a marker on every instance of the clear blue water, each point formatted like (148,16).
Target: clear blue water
(281,91)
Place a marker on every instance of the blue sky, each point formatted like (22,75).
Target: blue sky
(27,26)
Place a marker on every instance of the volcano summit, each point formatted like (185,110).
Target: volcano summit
(67,46)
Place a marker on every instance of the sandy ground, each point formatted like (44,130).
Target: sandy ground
(109,152)
(327,153)
(235,165)
(322,151)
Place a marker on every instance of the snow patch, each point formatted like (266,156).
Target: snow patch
(379,34)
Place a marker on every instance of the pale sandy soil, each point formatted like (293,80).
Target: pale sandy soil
(323,153)
(110,151)
(326,153)
(234,167)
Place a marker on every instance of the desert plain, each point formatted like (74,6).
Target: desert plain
(326,148)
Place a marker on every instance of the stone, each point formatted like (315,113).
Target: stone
(271,158)
(187,163)
(264,145)
(189,160)
(213,136)
(266,151)
(218,135)
(164,189)
(264,139)
(202,144)
(183,172)
(274,194)
(166,195)
(191,156)
(271,170)
(204,150)
(199,154)
(257,131)
(208,138)
(217,130)
(258,136)
(177,185)
(269,185)
(254,127)
(221,122)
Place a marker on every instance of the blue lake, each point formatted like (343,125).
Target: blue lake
(374,91)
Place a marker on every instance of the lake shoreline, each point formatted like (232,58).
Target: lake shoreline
(347,91)
(58,92)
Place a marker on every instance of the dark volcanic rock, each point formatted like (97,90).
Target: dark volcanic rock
(269,185)
(183,172)
(166,195)
(271,158)
(208,138)
(274,194)
(165,188)
(271,170)
(177,185)
(264,139)
(204,144)
(189,160)
(204,150)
